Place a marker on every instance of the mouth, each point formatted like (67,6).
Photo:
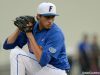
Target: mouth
(49,25)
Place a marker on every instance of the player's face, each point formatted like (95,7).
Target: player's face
(46,21)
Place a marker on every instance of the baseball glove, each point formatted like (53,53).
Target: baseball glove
(25,23)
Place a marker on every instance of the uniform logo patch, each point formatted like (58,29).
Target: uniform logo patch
(52,50)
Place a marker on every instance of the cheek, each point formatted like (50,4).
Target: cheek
(44,22)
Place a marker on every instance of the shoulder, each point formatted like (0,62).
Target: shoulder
(55,28)
(55,31)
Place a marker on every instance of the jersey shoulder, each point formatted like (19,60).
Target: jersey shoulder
(55,31)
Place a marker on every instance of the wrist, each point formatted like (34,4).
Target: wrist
(29,34)
(18,30)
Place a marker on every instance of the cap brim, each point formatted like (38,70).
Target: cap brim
(49,14)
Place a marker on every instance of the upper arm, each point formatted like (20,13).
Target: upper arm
(52,48)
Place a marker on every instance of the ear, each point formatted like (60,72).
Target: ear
(38,17)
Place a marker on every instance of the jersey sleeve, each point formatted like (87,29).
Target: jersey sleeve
(52,48)
(20,41)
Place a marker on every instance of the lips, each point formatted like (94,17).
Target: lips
(49,25)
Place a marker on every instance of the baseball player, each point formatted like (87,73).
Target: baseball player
(45,40)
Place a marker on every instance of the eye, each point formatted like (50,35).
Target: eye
(49,17)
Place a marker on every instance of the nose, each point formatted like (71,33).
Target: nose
(50,21)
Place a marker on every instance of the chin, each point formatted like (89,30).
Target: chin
(48,27)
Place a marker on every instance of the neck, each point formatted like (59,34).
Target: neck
(40,27)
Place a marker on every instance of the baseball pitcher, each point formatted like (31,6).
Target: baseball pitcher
(45,40)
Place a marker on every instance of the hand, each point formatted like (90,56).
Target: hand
(17,29)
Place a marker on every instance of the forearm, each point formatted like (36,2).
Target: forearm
(37,50)
(11,39)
